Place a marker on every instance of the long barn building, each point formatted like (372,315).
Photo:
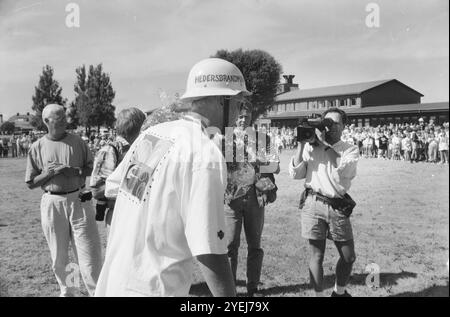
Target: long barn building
(369,103)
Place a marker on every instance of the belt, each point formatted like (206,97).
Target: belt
(344,205)
(63,193)
(319,197)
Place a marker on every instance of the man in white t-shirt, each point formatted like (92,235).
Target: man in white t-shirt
(169,191)
(59,163)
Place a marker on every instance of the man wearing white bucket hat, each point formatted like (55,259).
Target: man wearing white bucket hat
(169,192)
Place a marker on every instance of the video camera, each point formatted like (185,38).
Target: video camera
(307,128)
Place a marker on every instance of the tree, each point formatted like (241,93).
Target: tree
(46,92)
(93,98)
(81,100)
(262,76)
(8,127)
(72,116)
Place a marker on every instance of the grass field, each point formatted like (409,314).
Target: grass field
(401,224)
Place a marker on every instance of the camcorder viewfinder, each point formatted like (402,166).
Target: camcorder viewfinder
(306,131)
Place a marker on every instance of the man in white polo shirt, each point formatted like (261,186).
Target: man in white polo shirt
(169,192)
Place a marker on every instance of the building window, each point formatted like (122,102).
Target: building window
(353,101)
(342,102)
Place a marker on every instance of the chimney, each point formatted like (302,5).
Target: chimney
(288,85)
(289,78)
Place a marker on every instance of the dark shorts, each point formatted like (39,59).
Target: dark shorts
(320,221)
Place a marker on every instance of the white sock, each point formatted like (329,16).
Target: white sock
(319,294)
(340,290)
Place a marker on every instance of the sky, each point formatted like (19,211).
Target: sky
(148,47)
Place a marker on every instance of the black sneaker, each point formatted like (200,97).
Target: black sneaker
(254,293)
(334,294)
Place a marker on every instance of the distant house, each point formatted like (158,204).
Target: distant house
(22,122)
(367,103)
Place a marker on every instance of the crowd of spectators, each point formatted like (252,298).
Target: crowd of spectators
(282,138)
(16,145)
(421,142)
(96,141)
(412,142)
(417,142)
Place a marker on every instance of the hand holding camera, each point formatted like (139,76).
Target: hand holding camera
(307,130)
(320,138)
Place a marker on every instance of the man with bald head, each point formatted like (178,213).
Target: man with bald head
(59,163)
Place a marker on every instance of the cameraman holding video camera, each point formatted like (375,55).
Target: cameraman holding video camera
(328,166)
